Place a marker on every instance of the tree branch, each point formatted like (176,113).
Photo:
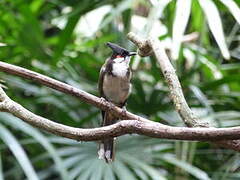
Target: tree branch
(176,94)
(151,129)
(136,125)
(68,89)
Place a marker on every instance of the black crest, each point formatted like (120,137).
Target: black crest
(119,50)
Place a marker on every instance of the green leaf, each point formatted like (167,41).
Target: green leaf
(233,8)
(197,19)
(122,171)
(31,34)
(216,83)
(82,170)
(66,35)
(198,173)
(18,124)
(183,10)
(99,170)
(18,152)
(35,5)
(108,174)
(215,72)
(215,25)
(72,20)
(230,66)
(91,166)
(1,168)
(122,6)
(134,162)
(202,98)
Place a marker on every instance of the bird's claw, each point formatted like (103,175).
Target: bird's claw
(109,104)
(124,111)
(103,100)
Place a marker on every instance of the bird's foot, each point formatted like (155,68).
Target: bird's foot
(109,105)
(103,100)
(124,111)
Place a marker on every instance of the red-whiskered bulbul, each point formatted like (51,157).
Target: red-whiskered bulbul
(114,86)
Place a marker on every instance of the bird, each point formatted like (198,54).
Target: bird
(114,86)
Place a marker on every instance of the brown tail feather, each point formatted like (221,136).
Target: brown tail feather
(109,149)
(106,148)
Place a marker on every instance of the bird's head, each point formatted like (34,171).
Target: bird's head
(120,55)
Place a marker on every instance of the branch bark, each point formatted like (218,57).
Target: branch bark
(176,94)
(137,124)
(68,89)
(151,129)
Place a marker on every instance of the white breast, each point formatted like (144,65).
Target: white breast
(120,66)
(120,69)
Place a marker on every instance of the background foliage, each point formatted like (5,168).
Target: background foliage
(65,40)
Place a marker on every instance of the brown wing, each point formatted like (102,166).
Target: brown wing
(100,87)
(100,81)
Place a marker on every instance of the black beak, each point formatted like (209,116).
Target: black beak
(132,54)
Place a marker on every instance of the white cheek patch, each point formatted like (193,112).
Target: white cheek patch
(118,60)
(125,60)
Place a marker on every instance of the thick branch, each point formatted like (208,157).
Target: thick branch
(151,129)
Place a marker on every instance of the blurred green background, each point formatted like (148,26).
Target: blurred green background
(65,39)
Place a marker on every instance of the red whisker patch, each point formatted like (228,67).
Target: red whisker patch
(118,56)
